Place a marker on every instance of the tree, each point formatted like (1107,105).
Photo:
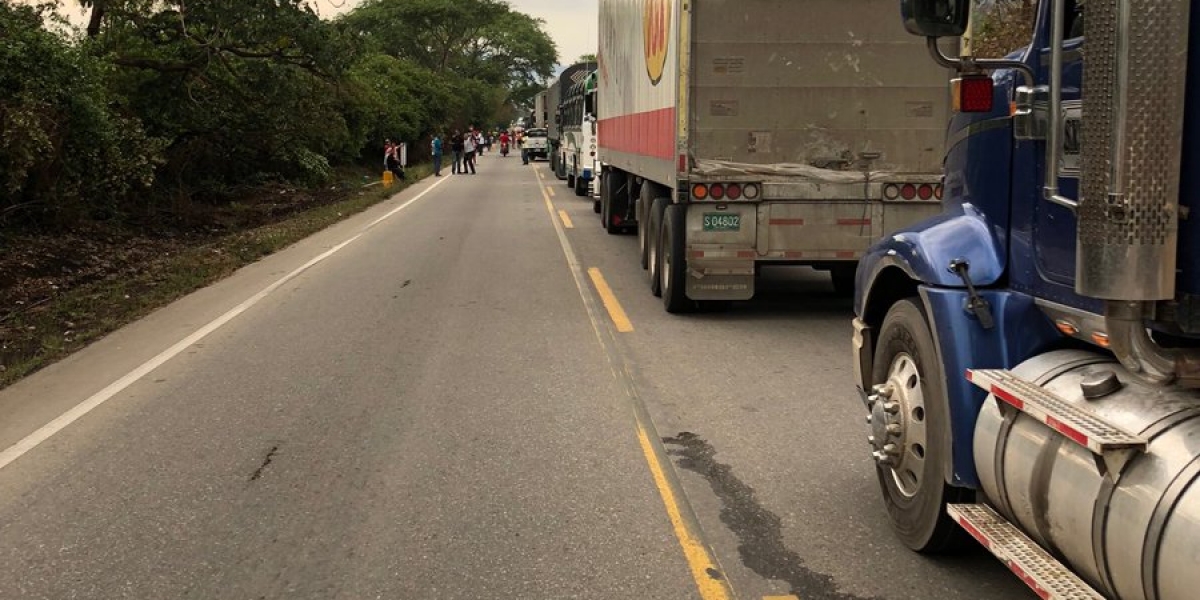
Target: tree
(587,58)
(482,40)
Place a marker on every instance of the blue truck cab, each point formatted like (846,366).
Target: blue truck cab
(1061,307)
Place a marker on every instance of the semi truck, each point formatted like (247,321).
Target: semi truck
(540,112)
(554,100)
(578,149)
(1029,359)
(735,135)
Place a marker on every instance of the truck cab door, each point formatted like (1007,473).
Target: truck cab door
(1053,227)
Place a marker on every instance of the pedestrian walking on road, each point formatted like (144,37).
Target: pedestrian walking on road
(469,153)
(456,145)
(436,147)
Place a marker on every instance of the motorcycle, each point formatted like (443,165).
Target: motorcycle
(503,148)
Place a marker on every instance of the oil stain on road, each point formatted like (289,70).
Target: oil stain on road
(758,530)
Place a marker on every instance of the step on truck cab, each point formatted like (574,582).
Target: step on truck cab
(762,132)
(1029,359)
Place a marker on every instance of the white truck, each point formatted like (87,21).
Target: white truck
(739,134)
(535,145)
(580,154)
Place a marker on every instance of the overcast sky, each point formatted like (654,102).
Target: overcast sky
(572,23)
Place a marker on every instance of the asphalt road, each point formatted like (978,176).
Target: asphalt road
(444,408)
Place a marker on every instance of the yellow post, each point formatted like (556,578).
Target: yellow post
(388,179)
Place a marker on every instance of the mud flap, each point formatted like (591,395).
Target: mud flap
(720,281)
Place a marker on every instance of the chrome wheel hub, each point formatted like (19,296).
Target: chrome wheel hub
(897,422)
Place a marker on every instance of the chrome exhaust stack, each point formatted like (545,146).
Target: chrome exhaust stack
(1135,71)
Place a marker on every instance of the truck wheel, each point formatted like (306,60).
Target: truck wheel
(843,280)
(645,200)
(596,206)
(570,180)
(581,187)
(653,227)
(910,423)
(672,261)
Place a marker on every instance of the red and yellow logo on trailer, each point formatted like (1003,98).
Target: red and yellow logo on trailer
(656,27)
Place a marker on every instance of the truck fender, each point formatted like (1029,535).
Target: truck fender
(925,250)
(896,266)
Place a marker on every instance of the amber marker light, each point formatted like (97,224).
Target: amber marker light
(1066,327)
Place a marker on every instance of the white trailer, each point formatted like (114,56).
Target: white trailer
(735,134)
(540,113)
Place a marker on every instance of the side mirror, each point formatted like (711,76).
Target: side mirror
(936,18)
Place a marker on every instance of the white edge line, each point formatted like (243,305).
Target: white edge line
(48,430)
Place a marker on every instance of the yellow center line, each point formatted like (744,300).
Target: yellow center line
(551,190)
(702,563)
(699,560)
(619,318)
(566,219)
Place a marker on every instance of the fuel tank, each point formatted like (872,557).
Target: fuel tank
(1135,536)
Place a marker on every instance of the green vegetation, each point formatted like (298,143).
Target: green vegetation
(171,142)
(167,101)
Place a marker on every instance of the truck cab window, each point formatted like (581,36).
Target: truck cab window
(1001,27)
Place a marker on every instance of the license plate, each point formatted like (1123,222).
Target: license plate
(722,222)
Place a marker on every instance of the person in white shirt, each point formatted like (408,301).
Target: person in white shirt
(469,148)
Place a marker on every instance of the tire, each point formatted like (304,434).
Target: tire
(672,261)
(596,206)
(843,280)
(570,180)
(645,201)
(918,513)
(581,187)
(653,229)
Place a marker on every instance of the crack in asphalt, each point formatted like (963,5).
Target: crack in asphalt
(758,530)
(266,461)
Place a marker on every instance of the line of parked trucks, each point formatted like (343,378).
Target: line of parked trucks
(1026,339)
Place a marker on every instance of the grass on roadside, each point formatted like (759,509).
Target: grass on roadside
(76,317)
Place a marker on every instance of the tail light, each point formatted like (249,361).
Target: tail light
(726,191)
(912,191)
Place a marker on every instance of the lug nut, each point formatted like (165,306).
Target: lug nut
(891,408)
(870,418)
(871,440)
(893,429)
(891,450)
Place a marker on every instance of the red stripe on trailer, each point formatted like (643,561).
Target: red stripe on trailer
(746,254)
(854,222)
(1067,430)
(846,254)
(793,255)
(649,134)
(786,222)
(696,254)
